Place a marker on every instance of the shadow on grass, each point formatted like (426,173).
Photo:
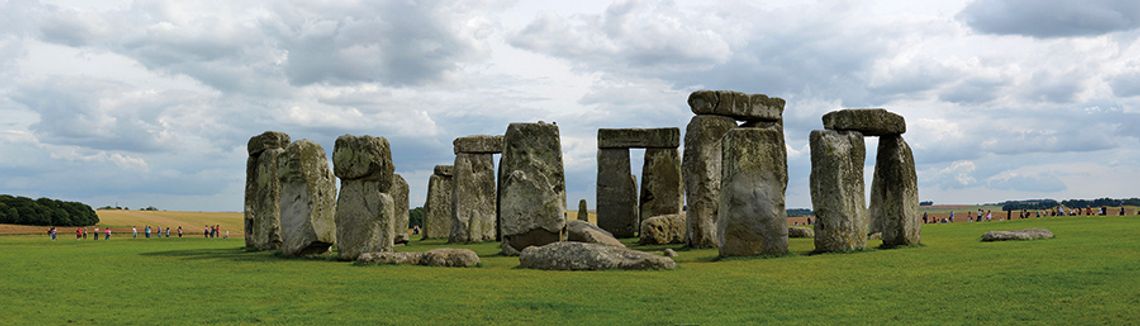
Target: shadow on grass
(234,254)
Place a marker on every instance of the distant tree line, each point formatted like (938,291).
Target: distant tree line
(796,212)
(926,203)
(415,217)
(1035,204)
(45,211)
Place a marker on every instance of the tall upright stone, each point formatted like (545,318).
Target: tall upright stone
(894,193)
(437,208)
(583,211)
(308,199)
(365,214)
(837,190)
(616,195)
(534,187)
(661,184)
(473,199)
(701,167)
(262,212)
(751,219)
(399,195)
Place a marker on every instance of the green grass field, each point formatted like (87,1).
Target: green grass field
(1089,274)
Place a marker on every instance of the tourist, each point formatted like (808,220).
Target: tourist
(107,230)
(206,231)
(146,232)
(84,233)
(951,217)
(168,232)
(134,232)
(1122,210)
(51,233)
(227,235)
(180,232)
(96,233)
(924,218)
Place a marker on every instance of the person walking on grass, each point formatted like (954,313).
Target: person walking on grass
(107,230)
(146,232)
(96,233)
(180,232)
(78,233)
(134,232)
(51,233)
(206,232)
(84,233)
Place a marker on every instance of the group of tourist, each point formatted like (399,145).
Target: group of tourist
(81,233)
(986,216)
(157,232)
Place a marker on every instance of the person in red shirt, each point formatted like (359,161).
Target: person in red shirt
(78,233)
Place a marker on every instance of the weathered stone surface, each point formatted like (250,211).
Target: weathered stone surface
(444,170)
(583,211)
(837,191)
(478,144)
(662,189)
(582,231)
(800,232)
(751,219)
(1026,234)
(308,199)
(663,229)
(438,208)
(668,252)
(444,257)
(365,219)
(869,122)
(577,256)
(533,202)
(616,193)
(399,195)
(701,167)
(266,141)
(473,199)
(894,194)
(737,105)
(364,157)
(262,200)
(639,138)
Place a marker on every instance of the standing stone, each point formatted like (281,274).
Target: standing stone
(661,185)
(437,209)
(263,191)
(894,193)
(365,215)
(473,199)
(751,219)
(534,185)
(616,193)
(701,166)
(583,212)
(837,190)
(308,199)
(399,195)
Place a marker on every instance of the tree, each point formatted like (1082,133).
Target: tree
(416,217)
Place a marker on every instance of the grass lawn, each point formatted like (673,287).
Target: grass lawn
(1089,274)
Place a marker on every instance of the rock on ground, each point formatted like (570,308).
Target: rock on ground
(663,229)
(445,257)
(737,105)
(701,172)
(616,193)
(533,205)
(894,194)
(869,122)
(639,138)
(754,177)
(578,256)
(662,189)
(399,195)
(837,190)
(582,231)
(800,232)
(437,209)
(1026,234)
(308,200)
(474,199)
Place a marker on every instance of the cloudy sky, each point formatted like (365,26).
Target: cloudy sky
(151,102)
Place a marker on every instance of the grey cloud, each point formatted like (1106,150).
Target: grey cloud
(1126,85)
(972,91)
(76,112)
(1051,18)
(1027,183)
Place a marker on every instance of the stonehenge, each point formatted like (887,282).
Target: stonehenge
(583,213)
(399,195)
(837,182)
(366,214)
(437,207)
(574,256)
(619,207)
(533,191)
(663,229)
(701,168)
(262,214)
(1018,235)
(751,220)
(474,197)
(308,199)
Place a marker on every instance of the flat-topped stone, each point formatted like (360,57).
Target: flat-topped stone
(478,144)
(443,257)
(443,170)
(870,122)
(737,105)
(639,138)
(267,140)
(577,256)
(1026,234)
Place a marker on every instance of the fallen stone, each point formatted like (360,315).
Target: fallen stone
(737,105)
(478,144)
(399,195)
(639,138)
(662,190)
(364,157)
(616,193)
(869,122)
(663,229)
(669,253)
(1026,234)
(262,213)
(795,232)
(437,209)
(445,257)
(837,190)
(751,218)
(701,172)
(894,194)
(533,190)
(582,231)
(308,200)
(578,256)
(266,141)
(474,199)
